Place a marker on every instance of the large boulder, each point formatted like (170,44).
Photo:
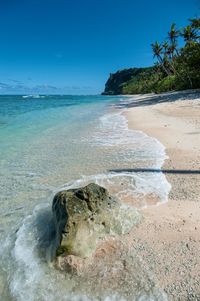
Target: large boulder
(84,216)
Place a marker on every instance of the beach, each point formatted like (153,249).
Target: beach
(168,240)
(54,143)
(100,151)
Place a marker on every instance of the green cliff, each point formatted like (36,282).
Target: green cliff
(127,81)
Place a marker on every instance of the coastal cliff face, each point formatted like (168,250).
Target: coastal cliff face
(117,81)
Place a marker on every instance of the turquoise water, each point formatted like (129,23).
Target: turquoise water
(40,141)
(50,142)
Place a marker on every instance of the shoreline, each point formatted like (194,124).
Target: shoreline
(169,234)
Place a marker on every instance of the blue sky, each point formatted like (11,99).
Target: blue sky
(71,46)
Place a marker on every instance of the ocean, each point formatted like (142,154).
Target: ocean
(48,143)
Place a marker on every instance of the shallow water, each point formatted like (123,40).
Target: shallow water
(51,142)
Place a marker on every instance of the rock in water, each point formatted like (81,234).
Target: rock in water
(86,215)
(82,218)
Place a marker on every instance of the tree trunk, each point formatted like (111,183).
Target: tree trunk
(163,66)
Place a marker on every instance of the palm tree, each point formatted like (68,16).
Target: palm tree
(157,50)
(166,53)
(195,23)
(169,55)
(189,34)
(172,49)
(166,48)
(173,35)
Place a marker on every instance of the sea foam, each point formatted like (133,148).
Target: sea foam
(140,158)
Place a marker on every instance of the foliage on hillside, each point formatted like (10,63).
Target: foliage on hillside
(117,82)
(177,68)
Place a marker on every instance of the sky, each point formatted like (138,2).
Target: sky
(71,46)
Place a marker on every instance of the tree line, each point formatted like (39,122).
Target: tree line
(178,62)
(172,58)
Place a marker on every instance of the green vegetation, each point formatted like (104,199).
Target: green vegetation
(177,68)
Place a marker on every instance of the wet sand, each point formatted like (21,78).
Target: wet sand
(168,240)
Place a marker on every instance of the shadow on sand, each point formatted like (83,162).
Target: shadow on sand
(152,170)
(153,99)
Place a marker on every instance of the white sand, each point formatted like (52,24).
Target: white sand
(170,233)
